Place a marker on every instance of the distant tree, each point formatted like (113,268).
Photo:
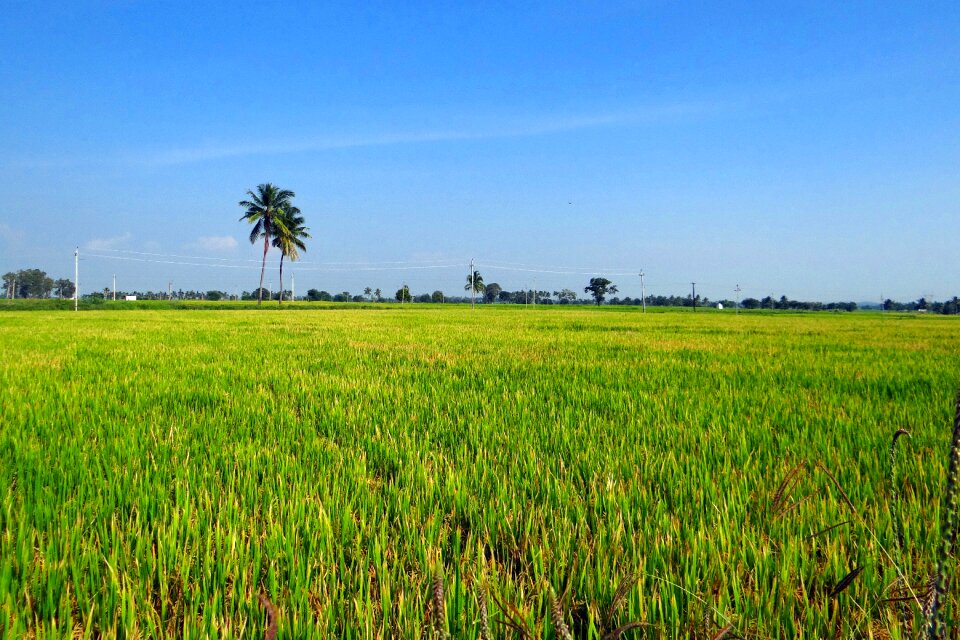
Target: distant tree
(599,288)
(358,298)
(313,295)
(403,294)
(750,303)
(261,210)
(438,296)
(260,294)
(378,294)
(951,307)
(64,288)
(343,296)
(289,233)
(367,291)
(9,282)
(28,283)
(474,285)
(566,296)
(491,292)
(505,296)
(214,295)
(423,297)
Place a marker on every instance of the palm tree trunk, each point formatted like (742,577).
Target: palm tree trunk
(263,267)
(281,277)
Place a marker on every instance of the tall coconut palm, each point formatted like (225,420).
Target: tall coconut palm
(261,210)
(288,235)
(474,285)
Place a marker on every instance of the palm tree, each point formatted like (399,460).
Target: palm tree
(474,285)
(261,211)
(288,235)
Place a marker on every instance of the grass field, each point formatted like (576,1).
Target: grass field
(377,473)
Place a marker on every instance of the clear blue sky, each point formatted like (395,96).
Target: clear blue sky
(807,149)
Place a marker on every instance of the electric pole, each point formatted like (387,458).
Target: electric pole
(170,290)
(738,297)
(534,293)
(114,287)
(693,296)
(472,290)
(76,279)
(643,295)
(293,288)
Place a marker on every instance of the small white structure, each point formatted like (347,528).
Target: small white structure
(719,305)
(130,297)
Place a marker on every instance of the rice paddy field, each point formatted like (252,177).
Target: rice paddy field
(342,472)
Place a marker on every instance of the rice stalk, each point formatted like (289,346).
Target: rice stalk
(935,625)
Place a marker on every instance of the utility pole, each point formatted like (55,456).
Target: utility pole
(473,295)
(293,288)
(170,290)
(76,279)
(534,293)
(738,297)
(693,296)
(114,287)
(643,295)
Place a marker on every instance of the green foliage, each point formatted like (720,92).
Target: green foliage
(599,288)
(356,470)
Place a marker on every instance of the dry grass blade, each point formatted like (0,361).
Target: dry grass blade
(845,582)
(619,597)
(941,585)
(833,479)
(723,632)
(827,530)
(619,631)
(271,632)
(514,618)
(793,505)
(786,487)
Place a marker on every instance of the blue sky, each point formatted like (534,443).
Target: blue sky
(807,149)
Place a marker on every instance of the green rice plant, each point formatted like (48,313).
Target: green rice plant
(162,468)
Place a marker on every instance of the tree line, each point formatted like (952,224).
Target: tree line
(35,283)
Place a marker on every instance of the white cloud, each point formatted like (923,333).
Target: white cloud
(105,244)
(213,244)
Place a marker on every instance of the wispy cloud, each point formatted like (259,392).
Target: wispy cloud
(105,244)
(514,128)
(503,127)
(213,244)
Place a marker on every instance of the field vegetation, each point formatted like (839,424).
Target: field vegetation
(337,472)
